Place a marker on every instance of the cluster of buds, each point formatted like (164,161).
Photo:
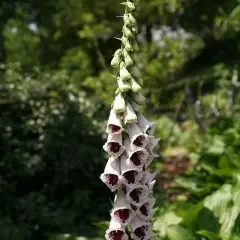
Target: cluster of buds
(130,144)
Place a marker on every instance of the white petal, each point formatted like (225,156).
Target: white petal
(119,104)
(124,74)
(137,195)
(114,125)
(148,177)
(151,184)
(137,137)
(146,126)
(129,114)
(114,146)
(145,211)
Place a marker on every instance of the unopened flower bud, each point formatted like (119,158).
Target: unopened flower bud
(127,59)
(119,104)
(124,74)
(123,86)
(131,18)
(134,85)
(127,32)
(129,114)
(130,6)
(127,44)
(139,98)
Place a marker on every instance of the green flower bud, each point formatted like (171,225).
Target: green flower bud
(135,86)
(123,86)
(130,6)
(134,29)
(127,59)
(119,104)
(115,61)
(118,53)
(127,44)
(126,19)
(139,98)
(135,46)
(131,19)
(127,32)
(124,74)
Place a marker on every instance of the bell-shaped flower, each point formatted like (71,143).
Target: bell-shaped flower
(137,157)
(140,229)
(130,175)
(146,211)
(139,98)
(111,176)
(134,85)
(114,146)
(137,137)
(116,231)
(152,143)
(122,211)
(129,114)
(137,195)
(123,85)
(119,104)
(114,125)
(146,126)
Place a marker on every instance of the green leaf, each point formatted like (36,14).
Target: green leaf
(178,232)
(209,235)
(162,223)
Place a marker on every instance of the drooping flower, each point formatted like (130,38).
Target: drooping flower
(116,231)
(111,175)
(114,125)
(122,211)
(140,229)
(145,125)
(114,146)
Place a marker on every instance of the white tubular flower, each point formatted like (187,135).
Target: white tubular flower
(130,175)
(116,231)
(136,158)
(139,98)
(123,86)
(141,230)
(146,126)
(146,211)
(114,125)
(122,211)
(134,85)
(114,146)
(119,104)
(137,195)
(111,176)
(129,114)
(152,144)
(137,137)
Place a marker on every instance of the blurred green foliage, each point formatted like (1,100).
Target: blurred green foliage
(55,93)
